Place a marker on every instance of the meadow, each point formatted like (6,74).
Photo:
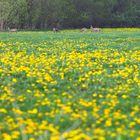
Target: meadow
(70,85)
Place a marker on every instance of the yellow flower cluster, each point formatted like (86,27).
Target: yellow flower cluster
(70,85)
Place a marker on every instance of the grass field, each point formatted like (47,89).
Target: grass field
(70,85)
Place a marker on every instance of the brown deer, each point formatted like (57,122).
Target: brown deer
(12,30)
(95,29)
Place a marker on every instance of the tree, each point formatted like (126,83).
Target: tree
(4,13)
(42,14)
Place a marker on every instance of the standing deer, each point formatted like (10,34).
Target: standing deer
(56,30)
(12,30)
(95,29)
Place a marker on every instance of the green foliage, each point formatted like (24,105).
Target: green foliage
(43,14)
(82,86)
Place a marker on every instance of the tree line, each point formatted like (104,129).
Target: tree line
(45,14)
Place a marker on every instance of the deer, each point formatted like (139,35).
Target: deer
(95,29)
(83,30)
(12,30)
(56,30)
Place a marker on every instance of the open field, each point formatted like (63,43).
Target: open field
(70,85)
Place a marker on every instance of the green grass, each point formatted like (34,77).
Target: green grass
(70,85)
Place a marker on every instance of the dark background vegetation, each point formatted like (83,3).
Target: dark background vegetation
(45,14)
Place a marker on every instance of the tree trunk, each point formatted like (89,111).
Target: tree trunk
(1,25)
